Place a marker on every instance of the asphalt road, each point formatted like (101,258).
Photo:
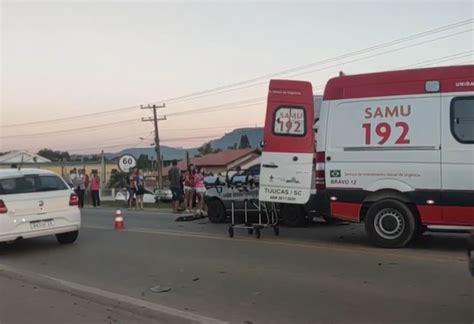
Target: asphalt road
(42,305)
(324,273)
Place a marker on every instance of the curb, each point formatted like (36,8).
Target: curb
(157,312)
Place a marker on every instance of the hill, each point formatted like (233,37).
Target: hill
(255,135)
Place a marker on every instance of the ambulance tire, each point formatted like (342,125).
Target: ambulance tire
(293,215)
(390,223)
(216,211)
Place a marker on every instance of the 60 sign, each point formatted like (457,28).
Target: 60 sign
(126,162)
(384,132)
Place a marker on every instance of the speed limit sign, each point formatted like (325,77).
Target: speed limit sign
(126,162)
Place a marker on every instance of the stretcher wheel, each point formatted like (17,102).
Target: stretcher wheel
(231,232)
(250,231)
(276,231)
(257,233)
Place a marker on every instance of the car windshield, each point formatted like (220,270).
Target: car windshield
(31,183)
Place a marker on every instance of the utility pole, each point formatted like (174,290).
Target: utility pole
(155,120)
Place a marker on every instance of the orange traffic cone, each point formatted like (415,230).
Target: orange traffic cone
(119,224)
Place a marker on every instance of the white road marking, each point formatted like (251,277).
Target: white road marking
(421,255)
(140,303)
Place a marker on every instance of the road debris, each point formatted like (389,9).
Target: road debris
(160,289)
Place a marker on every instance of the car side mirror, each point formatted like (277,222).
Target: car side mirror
(261,144)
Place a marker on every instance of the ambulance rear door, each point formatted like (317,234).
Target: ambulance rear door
(288,146)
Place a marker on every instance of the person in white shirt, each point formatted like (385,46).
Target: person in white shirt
(80,187)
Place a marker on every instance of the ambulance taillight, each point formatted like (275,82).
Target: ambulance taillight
(320,170)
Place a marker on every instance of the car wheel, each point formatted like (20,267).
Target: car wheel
(390,224)
(293,215)
(67,238)
(216,211)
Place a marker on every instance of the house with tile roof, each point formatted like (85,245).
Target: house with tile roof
(222,161)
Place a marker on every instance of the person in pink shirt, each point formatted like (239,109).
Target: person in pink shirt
(200,189)
(95,188)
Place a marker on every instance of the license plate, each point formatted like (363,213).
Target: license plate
(42,224)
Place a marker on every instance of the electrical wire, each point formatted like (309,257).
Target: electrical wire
(442,59)
(382,53)
(73,118)
(329,60)
(215,91)
(136,144)
(75,130)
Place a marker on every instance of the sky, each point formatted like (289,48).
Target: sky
(68,60)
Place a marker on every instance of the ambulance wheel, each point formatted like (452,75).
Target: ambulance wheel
(293,215)
(231,232)
(390,224)
(216,211)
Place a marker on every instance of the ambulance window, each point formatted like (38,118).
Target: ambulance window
(289,121)
(462,119)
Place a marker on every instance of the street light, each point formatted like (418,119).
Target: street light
(146,139)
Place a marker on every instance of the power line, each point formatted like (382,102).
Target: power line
(70,118)
(67,131)
(206,128)
(215,91)
(135,144)
(329,60)
(236,104)
(192,111)
(174,138)
(441,59)
(240,104)
(382,53)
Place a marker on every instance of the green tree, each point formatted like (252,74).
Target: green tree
(144,163)
(244,142)
(205,149)
(54,155)
(117,180)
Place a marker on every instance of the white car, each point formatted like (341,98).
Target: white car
(35,202)
(164,194)
(148,197)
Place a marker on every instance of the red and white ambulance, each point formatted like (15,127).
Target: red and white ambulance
(394,150)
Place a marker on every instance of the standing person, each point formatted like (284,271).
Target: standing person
(189,188)
(87,183)
(72,176)
(174,176)
(80,187)
(140,187)
(200,190)
(182,202)
(95,188)
(131,180)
